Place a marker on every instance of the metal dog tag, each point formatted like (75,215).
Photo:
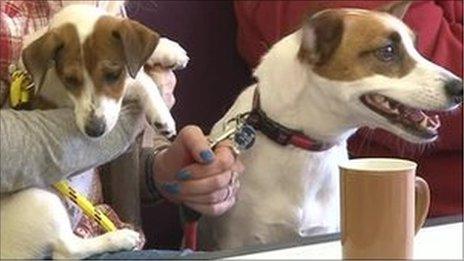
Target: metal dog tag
(245,137)
(239,132)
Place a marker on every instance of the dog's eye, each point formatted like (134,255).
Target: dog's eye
(386,53)
(112,77)
(71,81)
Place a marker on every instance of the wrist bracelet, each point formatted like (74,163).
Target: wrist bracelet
(149,172)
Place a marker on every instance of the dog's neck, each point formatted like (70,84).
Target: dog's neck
(293,96)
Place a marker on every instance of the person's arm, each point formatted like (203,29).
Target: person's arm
(152,144)
(38,148)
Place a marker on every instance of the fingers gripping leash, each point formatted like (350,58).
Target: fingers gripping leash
(242,136)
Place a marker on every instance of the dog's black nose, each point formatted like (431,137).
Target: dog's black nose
(454,90)
(95,127)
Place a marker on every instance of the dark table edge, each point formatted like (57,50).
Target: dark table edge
(304,241)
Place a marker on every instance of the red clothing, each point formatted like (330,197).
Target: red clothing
(20,18)
(438,25)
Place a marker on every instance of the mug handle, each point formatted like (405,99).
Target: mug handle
(422,194)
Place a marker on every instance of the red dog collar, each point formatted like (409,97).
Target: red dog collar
(279,133)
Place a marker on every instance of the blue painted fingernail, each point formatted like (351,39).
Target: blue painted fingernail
(207,156)
(183,175)
(171,188)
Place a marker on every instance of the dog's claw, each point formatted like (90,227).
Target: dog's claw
(164,129)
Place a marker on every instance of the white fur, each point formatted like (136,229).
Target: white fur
(109,109)
(141,88)
(164,55)
(34,222)
(287,192)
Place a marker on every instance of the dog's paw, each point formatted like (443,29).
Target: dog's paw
(160,118)
(74,247)
(169,54)
(167,130)
(123,239)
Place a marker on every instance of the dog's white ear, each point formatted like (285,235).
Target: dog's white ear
(139,43)
(396,8)
(321,36)
(37,56)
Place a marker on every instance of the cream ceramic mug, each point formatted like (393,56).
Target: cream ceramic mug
(383,205)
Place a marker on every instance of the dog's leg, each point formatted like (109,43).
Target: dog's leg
(70,246)
(67,245)
(169,54)
(145,90)
(35,224)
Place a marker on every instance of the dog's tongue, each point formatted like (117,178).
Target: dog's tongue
(414,115)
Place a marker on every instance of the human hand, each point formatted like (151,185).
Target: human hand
(189,172)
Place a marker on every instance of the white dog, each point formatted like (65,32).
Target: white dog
(346,68)
(91,61)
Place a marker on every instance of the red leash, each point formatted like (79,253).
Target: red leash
(190,235)
(189,220)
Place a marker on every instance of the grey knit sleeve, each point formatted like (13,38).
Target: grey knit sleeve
(38,148)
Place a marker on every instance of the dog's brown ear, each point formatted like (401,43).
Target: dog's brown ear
(321,36)
(38,55)
(59,45)
(396,8)
(138,42)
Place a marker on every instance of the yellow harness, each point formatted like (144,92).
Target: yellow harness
(88,208)
(21,92)
(21,88)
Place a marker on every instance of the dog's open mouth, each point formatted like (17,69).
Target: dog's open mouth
(412,120)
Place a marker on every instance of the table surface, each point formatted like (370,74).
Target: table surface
(435,242)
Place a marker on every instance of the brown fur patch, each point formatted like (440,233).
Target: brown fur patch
(355,55)
(328,31)
(69,64)
(115,46)
(104,56)
(61,45)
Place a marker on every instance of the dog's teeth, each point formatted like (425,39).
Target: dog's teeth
(437,120)
(423,123)
(369,99)
(379,98)
(432,124)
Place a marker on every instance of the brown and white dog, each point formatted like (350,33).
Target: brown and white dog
(345,69)
(91,61)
